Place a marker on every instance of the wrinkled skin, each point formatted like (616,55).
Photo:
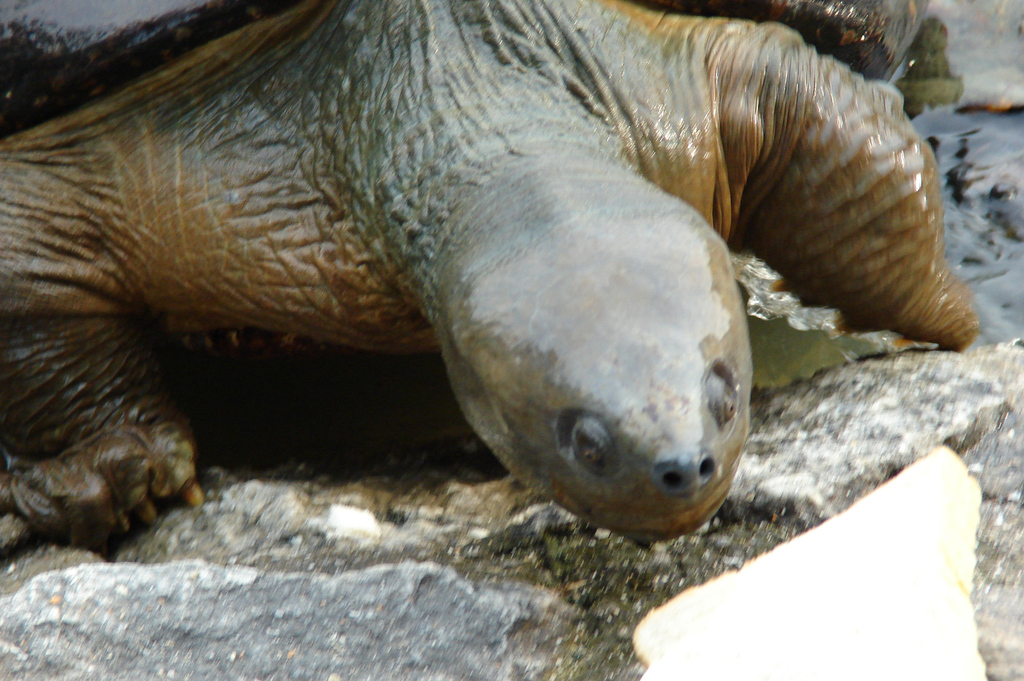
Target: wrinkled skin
(544,189)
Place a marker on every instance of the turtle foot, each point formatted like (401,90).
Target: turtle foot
(95,487)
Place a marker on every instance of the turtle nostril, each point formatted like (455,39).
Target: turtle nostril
(683,476)
(707,469)
(672,479)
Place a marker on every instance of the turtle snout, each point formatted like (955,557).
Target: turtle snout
(685,474)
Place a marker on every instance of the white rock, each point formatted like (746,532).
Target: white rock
(880,592)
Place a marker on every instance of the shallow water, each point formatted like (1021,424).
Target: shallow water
(966,73)
(981,158)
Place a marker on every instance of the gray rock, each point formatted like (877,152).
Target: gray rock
(1001,631)
(999,583)
(39,559)
(819,444)
(195,621)
(287,525)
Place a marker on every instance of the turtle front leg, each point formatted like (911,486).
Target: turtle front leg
(87,431)
(836,190)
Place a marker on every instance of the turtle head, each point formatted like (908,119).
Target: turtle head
(595,338)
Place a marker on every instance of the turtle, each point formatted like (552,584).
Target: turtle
(545,191)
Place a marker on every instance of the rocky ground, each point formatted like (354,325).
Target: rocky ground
(457,572)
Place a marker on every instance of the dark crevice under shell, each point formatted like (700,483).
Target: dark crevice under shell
(57,54)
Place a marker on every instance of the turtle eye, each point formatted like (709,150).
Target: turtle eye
(583,438)
(722,392)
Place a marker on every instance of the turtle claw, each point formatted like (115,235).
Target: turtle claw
(124,523)
(192,494)
(92,489)
(177,457)
(146,511)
